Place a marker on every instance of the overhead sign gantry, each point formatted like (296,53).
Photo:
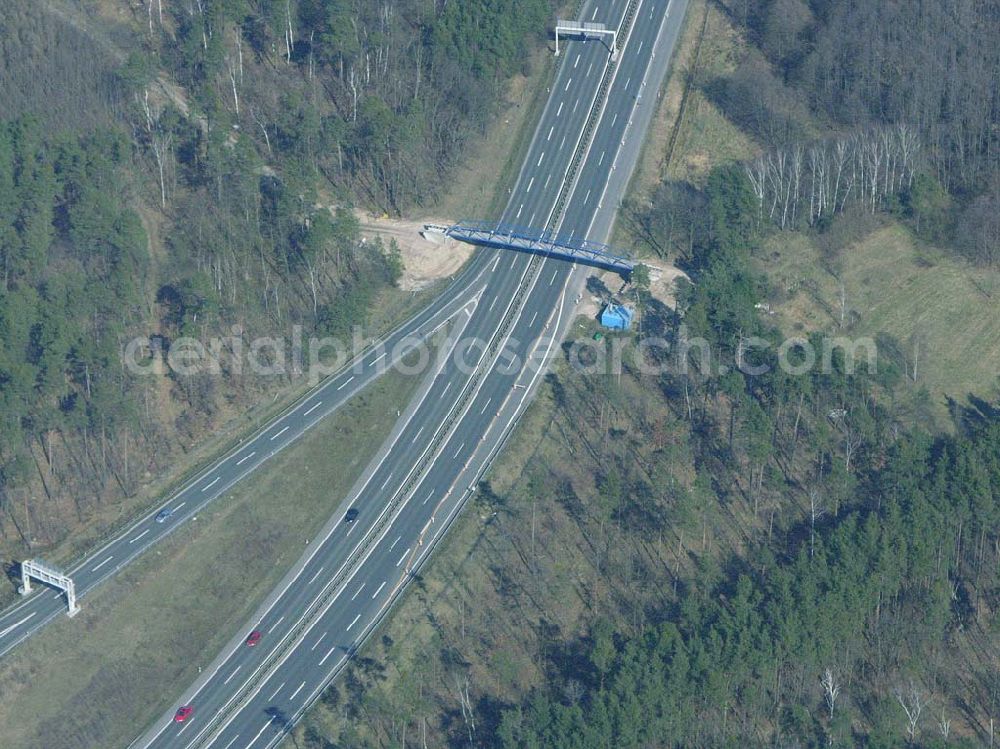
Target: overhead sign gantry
(586,29)
(46,573)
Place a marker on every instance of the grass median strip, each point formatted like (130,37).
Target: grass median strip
(140,639)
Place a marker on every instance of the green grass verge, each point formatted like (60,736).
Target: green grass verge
(139,640)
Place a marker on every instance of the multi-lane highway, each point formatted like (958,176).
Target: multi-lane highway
(513,311)
(28,616)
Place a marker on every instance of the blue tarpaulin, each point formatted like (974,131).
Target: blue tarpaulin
(616,317)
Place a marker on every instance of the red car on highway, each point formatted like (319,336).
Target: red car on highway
(183,713)
(254,638)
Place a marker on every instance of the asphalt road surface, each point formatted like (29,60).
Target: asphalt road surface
(513,312)
(37,609)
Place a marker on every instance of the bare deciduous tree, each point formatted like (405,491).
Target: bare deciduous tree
(944,725)
(831,690)
(158,141)
(913,701)
(462,687)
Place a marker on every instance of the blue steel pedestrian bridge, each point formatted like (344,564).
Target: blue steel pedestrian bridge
(546,243)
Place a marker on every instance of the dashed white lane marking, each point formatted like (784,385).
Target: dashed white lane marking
(344,384)
(530,183)
(589,68)
(586,198)
(428,497)
(103,563)
(275,625)
(530,223)
(315,576)
(601,160)
(313,408)
(245,458)
(547,181)
(316,644)
(405,554)
(533,319)
(595,13)
(446,388)
(514,261)
(378,358)
(232,675)
(493,303)
(568,84)
(139,536)
(375,594)
(417,435)
(495,264)
(270,720)
(18,623)
(628,82)
(575,105)
(640,46)
(180,506)
(488,400)
(614,119)
(551,129)
(540,160)
(563,143)
(353,622)
(296,691)
(387,480)
(231,741)
(559,112)
(394,543)
(576,61)
(216,480)
(520,208)
(458,451)
(358,591)
(283,430)
(552,280)
(328,654)
(276,692)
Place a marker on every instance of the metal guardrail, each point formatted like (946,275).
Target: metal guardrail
(624,29)
(319,604)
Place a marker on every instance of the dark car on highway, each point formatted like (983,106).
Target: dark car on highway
(351,516)
(163,514)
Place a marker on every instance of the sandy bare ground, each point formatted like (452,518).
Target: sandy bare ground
(424,261)
(662,286)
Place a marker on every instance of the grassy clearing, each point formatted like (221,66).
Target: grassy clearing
(687,137)
(942,312)
(474,192)
(706,138)
(139,640)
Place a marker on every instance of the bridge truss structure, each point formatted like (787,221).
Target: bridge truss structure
(546,243)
